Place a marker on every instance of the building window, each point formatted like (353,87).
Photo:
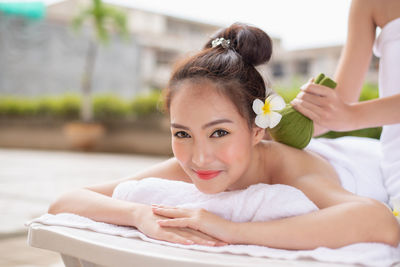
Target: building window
(277,70)
(165,57)
(302,67)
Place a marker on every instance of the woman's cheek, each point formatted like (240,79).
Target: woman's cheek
(232,152)
(180,151)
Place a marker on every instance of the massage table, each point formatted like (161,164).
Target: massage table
(84,248)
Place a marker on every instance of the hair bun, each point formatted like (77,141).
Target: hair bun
(252,43)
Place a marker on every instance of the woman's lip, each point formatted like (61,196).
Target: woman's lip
(207,175)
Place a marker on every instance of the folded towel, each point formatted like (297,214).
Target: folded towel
(357,162)
(258,202)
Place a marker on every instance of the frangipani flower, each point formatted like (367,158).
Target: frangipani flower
(266,115)
(396,208)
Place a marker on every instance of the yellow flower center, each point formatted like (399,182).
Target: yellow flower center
(266,108)
(396,213)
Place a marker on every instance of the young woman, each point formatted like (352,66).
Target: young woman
(217,142)
(339,109)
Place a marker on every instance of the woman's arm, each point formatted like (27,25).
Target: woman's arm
(95,202)
(334,109)
(343,219)
(322,105)
(85,202)
(357,51)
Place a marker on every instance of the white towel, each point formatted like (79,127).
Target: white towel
(357,162)
(258,202)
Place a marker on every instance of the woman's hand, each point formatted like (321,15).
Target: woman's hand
(322,105)
(147,223)
(196,219)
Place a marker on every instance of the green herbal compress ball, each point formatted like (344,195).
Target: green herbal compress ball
(295,129)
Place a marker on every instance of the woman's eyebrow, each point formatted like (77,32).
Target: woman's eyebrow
(212,123)
(179,126)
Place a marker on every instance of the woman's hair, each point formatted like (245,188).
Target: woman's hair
(230,67)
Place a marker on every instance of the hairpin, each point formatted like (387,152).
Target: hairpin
(220,41)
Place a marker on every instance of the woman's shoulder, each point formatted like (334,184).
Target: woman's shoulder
(290,163)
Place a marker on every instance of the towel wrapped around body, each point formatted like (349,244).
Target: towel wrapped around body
(357,161)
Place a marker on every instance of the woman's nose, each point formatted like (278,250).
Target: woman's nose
(202,154)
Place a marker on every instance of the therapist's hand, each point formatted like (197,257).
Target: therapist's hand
(147,223)
(323,106)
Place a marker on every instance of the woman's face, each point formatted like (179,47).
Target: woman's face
(210,139)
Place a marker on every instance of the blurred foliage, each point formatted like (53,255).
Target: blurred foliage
(104,18)
(68,106)
(146,104)
(368,92)
(110,106)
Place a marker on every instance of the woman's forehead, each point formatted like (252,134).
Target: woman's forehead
(194,102)
(201,95)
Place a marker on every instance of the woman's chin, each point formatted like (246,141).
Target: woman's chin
(209,190)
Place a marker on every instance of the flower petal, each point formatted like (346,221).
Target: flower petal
(262,121)
(275,118)
(276,102)
(257,106)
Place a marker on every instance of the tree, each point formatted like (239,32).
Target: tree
(103,20)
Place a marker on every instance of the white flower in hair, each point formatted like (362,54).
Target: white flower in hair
(266,112)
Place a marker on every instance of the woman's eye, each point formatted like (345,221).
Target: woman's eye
(182,134)
(219,133)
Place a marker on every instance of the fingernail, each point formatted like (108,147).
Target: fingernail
(211,243)
(190,242)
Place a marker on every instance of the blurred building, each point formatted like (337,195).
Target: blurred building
(47,57)
(306,63)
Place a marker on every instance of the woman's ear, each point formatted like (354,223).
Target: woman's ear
(258,134)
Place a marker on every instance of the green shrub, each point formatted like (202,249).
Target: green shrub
(15,106)
(146,104)
(110,106)
(70,106)
(65,106)
(106,106)
(369,91)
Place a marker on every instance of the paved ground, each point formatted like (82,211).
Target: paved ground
(31,179)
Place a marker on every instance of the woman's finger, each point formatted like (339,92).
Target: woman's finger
(176,238)
(170,212)
(197,238)
(316,89)
(205,236)
(314,99)
(307,109)
(180,222)
(163,206)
